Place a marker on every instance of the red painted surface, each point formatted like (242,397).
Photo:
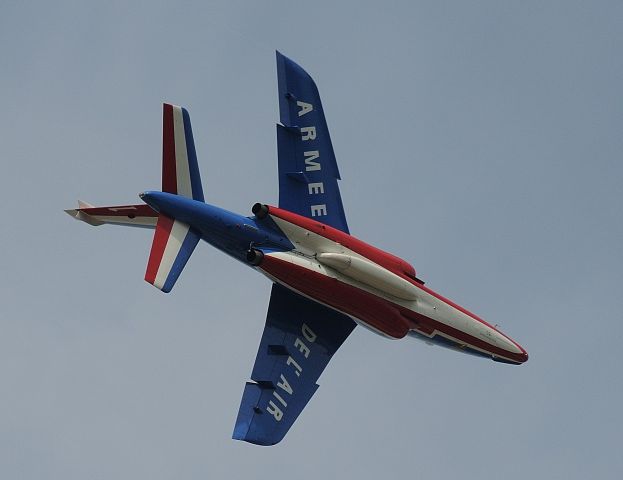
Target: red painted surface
(131,211)
(161,236)
(376,312)
(391,262)
(428,326)
(169,174)
(465,311)
(383,315)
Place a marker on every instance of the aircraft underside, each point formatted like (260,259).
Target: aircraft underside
(372,294)
(325,280)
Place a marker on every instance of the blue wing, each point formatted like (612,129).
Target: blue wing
(308,173)
(299,339)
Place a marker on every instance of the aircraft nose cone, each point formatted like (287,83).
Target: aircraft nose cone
(522,355)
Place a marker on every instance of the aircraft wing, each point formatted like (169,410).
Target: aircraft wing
(299,339)
(308,172)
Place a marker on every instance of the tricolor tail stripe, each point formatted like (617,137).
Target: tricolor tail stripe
(173,244)
(180,171)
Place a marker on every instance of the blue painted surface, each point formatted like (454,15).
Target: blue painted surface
(309,189)
(195,178)
(188,246)
(300,335)
(289,362)
(230,232)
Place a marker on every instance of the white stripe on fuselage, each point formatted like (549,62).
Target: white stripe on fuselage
(308,244)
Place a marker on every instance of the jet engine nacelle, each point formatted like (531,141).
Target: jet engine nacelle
(255,257)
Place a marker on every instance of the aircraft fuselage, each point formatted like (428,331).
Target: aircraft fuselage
(378,290)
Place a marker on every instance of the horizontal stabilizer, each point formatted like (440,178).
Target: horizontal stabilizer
(174,242)
(128,215)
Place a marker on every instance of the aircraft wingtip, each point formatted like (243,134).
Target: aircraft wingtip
(79,215)
(82,204)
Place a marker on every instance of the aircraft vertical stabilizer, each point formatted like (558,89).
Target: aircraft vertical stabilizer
(174,241)
(180,172)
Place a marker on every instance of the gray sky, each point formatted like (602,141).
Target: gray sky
(481,141)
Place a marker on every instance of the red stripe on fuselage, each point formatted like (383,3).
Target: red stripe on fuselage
(377,312)
(169,173)
(380,314)
(466,312)
(161,236)
(391,262)
(427,326)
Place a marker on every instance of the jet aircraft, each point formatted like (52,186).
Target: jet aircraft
(325,281)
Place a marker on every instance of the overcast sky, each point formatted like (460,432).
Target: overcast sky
(481,141)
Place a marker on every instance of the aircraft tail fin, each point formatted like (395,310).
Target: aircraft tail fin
(173,243)
(180,171)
